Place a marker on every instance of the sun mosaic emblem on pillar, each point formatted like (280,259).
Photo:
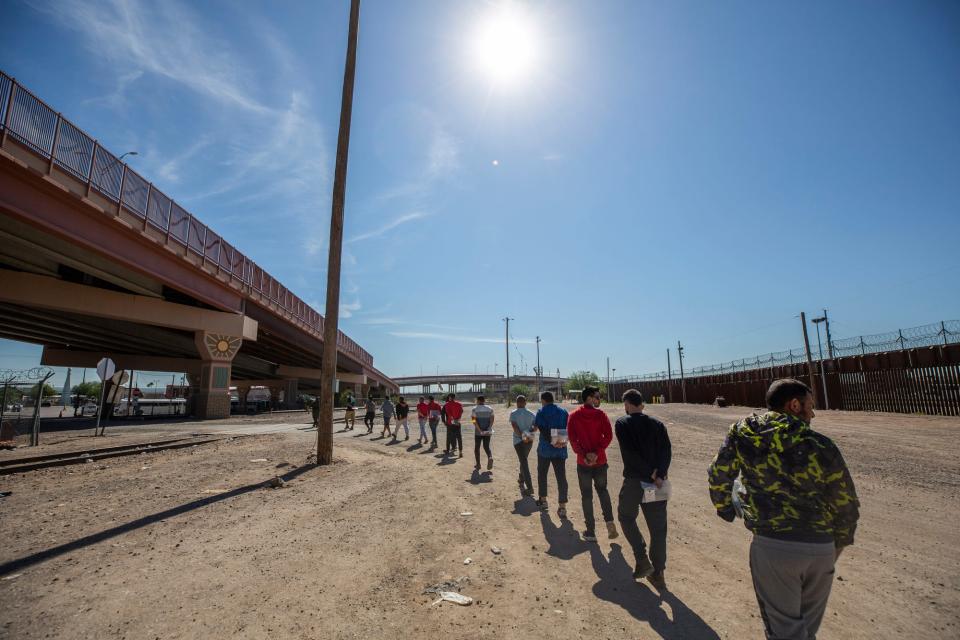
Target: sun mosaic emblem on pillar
(222,347)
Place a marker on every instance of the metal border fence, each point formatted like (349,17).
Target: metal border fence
(929,335)
(27,119)
(914,370)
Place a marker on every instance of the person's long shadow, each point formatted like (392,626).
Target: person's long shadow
(480,478)
(429,449)
(563,541)
(414,447)
(94,538)
(617,585)
(445,460)
(525,506)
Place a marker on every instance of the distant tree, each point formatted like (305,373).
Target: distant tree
(519,390)
(12,395)
(48,390)
(580,379)
(87,389)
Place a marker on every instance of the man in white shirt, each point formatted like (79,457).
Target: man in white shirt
(482,417)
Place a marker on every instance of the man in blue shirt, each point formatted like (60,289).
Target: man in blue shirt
(551,422)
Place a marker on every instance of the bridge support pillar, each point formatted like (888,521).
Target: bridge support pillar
(243,390)
(290,393)
(213,390)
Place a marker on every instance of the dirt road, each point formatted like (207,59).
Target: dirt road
(188,543)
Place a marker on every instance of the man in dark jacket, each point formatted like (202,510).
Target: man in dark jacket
(646,452)
(799,501)
(590,434)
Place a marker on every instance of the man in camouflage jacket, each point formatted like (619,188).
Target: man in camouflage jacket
(799,501)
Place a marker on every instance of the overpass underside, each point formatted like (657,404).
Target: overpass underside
(88,277)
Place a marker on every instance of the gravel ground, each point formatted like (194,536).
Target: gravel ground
(190,543)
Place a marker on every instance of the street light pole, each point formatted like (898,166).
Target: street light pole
(806,347)
(823,376)
(328,364)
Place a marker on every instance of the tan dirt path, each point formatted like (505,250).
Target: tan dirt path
(186,544)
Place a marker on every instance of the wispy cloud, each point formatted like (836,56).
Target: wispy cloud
(281,157)
(162,38)
(444,155)
(118,97)
(382,321)
(393,224)
(448,337)
(347,309)
(170,170)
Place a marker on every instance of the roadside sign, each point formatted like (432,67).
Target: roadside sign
(106,368)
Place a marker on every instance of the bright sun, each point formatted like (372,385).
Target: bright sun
(504,47)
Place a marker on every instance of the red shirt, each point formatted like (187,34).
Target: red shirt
(589,431)
(434,406)
(454,410)
(423,409)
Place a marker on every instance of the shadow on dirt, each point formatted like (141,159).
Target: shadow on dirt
(617,585)
(480,478)
(525,506)
(564,542)
(86,541)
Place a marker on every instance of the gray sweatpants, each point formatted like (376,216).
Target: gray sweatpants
(792,581)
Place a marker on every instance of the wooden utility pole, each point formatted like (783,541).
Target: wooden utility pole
(539,372)
(826,322)
(806,346)
(608,378)
(507,345)
(669,379)
(328,365)
(683,382)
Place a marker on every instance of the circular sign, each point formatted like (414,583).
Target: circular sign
(106,368)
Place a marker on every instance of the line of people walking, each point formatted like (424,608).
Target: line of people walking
(788,483)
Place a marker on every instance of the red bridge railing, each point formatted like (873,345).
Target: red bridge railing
(32,123)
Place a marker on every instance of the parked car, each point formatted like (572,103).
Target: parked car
(89,409)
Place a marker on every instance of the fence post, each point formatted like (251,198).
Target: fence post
(863,347)
(943,332)
(56,141)
(123,180)
(6,120)
(93,162)
(146,209)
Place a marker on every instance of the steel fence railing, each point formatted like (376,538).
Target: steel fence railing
(929,335)
(31,122)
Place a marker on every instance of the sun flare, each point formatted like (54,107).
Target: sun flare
(504,47)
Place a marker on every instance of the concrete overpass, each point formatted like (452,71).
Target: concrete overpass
(492,385)
(95,261)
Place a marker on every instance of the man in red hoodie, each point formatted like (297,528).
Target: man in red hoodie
(589,431)
(453,411)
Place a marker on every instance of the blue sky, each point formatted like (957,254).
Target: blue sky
(654,171)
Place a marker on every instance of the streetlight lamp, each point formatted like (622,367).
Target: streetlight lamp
(115,162)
